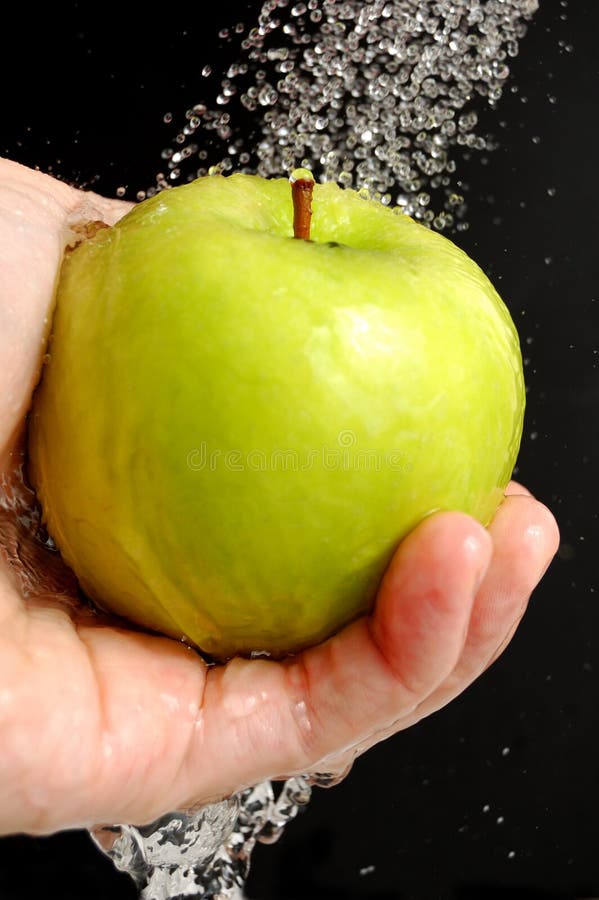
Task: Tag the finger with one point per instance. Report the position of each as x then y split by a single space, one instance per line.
525 539
267 719
35 214
515 488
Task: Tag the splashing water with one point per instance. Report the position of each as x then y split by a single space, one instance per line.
380 96
207 853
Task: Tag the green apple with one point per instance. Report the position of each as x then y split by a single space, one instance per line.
235 429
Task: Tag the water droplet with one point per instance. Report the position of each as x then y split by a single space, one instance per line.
377 96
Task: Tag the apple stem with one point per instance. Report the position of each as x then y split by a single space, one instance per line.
302 188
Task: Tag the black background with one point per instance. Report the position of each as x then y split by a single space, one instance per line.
497 795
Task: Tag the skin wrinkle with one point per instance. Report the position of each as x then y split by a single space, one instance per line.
338 759
191 747
274 716
186 720
315 759
330 658
285 741
201 734
307 725
471 547
380 641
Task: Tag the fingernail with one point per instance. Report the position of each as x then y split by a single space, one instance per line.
515 489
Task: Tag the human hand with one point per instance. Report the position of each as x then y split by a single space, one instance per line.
101 723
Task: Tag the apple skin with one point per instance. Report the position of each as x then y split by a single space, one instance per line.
235 428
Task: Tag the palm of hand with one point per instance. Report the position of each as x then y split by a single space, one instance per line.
100 723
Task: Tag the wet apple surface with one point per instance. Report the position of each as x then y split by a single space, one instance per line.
234 428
